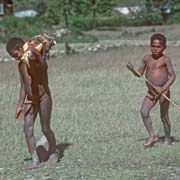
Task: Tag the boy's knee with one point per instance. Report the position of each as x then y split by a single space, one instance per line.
28 130
46 131
144 113
164 118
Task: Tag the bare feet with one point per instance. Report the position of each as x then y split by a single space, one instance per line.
150 142
32 166
168 142
53 158
35 162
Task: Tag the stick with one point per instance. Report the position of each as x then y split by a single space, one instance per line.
173 103
27 102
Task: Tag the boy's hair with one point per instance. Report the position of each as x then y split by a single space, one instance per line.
14 44
160 37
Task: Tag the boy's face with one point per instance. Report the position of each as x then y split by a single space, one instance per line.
157 48
17 54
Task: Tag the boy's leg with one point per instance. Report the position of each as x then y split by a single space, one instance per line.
45 115
29 118
164 110
147 105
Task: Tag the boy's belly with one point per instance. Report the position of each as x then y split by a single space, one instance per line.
157 78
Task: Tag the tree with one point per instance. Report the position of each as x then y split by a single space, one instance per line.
104 6
164 7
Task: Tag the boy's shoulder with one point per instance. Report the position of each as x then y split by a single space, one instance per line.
166 58
147 57
21 66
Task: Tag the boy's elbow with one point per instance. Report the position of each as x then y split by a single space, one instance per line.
29 95
28 90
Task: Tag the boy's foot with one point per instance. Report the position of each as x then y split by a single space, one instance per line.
53 158
168 142
150 142
32 166
35 163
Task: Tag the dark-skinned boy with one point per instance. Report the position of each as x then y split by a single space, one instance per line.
35 96
160 73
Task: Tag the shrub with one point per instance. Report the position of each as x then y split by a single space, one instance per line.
25 27
144 19
174 19
153 18
89 23
83 23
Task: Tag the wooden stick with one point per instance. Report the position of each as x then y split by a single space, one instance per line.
27 102
173 103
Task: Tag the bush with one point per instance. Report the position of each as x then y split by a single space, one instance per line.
174 19
51 18
90 23
83 23
144 19
20 27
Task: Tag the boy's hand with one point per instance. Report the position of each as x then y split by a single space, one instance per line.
159 90
130 66
19 113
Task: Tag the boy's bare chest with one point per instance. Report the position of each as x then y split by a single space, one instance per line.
156 64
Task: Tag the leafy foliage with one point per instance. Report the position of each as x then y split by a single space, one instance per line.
81 14
12 26
174 19
104 6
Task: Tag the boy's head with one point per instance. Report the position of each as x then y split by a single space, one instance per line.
158 45
160 37
15 47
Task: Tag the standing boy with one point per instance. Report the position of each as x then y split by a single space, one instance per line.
159 72
34 96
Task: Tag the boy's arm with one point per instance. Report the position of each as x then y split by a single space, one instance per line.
141 69
171 75
26 80
22 93
37 55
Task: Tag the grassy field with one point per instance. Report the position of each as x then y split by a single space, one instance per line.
172 32
96 120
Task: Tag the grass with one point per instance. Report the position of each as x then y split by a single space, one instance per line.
96 116
133 33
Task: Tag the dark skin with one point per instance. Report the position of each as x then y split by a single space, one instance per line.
159 71
35 98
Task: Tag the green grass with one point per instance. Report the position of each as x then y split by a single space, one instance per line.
96 111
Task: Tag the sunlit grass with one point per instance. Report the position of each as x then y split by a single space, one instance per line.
96 104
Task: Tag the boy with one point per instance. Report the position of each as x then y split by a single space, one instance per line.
34 96
159 72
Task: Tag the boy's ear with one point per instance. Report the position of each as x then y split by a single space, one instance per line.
21 49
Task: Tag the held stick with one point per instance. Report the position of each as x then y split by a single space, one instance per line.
27 102
175 105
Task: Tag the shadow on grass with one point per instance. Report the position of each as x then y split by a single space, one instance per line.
173 139
61 148
161 139
43 153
